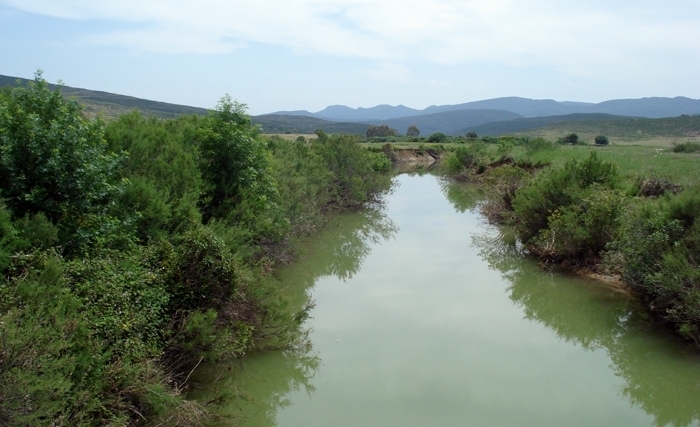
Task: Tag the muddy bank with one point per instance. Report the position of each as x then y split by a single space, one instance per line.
417 156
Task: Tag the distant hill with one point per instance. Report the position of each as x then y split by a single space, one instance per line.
342 113
448 121
626 128
111 105
655 108
644 107
522 106
524 124
277 123
619 127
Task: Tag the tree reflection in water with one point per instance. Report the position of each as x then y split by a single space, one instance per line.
254 388
464 197
661 375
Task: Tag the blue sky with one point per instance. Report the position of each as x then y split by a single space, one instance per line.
307 54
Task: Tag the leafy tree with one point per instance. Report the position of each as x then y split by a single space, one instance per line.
571 138
322 136
163 169
601 140
54 161
413 131
472 136
437 137
234 163
383 130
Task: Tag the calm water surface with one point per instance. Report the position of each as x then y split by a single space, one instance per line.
426 316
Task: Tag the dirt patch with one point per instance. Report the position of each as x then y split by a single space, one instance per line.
416 156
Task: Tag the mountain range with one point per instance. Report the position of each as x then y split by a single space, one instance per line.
656 107
487 117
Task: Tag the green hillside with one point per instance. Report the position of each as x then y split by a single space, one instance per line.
111 105
640 131
525 124
587 126
277 123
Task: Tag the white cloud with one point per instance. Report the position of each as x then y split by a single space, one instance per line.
390 72
576 37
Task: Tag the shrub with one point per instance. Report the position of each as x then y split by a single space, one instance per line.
354 181
538 144
583 229
601 140
571 138
57 163
657 253
686 147
438 137
554 189
503 183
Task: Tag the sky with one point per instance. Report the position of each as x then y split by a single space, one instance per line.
277 55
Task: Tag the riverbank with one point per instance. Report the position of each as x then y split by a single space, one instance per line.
119 279
447 293
599 212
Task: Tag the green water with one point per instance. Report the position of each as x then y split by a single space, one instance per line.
427 316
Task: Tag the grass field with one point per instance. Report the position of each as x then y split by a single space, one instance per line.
293 136
629 139
626 131
634 161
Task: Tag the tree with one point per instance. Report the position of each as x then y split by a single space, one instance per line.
380 131
571 138
437 137
601 140
322 136
472 136
413 131
234 165
55 162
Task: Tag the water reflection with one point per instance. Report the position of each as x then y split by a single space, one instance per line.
463 197
345 243
660 374
252 390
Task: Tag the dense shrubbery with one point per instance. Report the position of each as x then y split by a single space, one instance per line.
686 147
557 211
583 213
658 252
132 251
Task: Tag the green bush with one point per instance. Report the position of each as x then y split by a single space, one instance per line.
538 144
503 183
166 182
57 163
686 147
581 230
571 139
601 140
554 189
354 181
658 252
438 137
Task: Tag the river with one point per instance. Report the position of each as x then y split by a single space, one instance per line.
427 316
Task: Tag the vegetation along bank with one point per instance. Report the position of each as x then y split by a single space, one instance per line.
135 250
626 211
